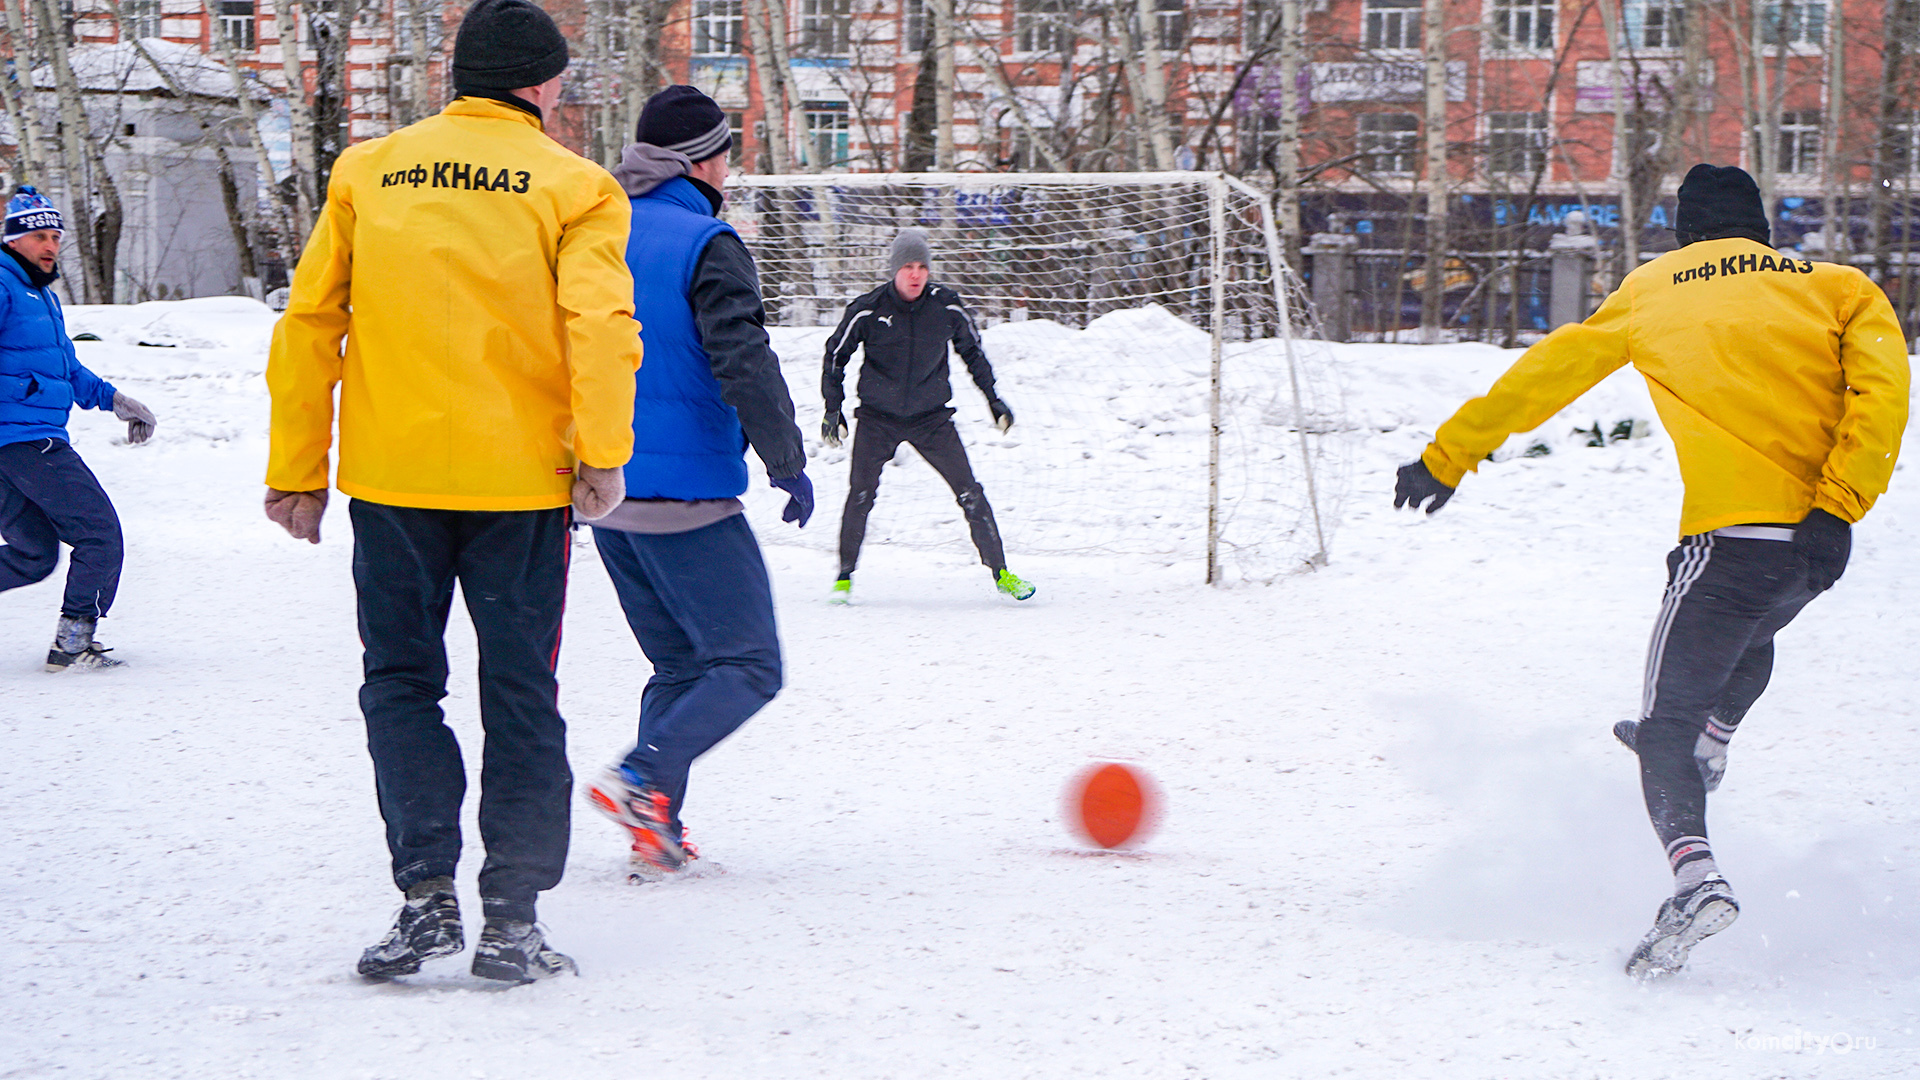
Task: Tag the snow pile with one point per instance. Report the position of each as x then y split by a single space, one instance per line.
1399 839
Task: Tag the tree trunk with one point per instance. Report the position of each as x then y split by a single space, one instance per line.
922 121
1150 98
941 11
421 13
300 127
1622 171
1433 297
1286 158
1837 217
22 110
773 83
75 157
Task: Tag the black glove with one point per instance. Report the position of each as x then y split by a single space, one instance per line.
800 506
833 428
1416 485
1002 416
1823 543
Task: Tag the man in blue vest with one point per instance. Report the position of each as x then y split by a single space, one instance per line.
48 496
683 561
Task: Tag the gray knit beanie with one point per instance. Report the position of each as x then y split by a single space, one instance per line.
908 247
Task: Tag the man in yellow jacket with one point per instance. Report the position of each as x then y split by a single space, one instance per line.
474 271
1784 385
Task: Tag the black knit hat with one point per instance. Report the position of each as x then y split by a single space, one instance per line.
686 121
506 45
1718 201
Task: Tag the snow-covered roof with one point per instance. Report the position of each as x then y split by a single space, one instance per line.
119 68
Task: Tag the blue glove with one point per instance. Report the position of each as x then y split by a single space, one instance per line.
800 507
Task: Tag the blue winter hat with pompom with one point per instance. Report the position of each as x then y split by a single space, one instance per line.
29 211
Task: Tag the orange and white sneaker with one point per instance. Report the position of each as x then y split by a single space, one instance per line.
644 811
643 870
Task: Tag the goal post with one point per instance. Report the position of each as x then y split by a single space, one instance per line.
1142 327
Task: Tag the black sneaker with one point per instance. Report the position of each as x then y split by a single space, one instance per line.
517 952
1684 921
1628 732
428 926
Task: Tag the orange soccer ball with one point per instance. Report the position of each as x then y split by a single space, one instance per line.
1112 804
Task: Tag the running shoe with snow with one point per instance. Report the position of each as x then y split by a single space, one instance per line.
428 926
74 648
517 952
842 592
1684 921
642 870
1013 585
645 811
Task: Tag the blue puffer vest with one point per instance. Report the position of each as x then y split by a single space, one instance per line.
41 378
687 442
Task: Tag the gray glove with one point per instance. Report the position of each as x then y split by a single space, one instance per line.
298 512
139 418
597 491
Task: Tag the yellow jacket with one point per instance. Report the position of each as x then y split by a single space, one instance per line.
1783 382
476 271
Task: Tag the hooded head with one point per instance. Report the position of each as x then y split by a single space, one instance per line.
506 45
1718 201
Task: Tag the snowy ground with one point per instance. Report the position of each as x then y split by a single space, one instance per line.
1399 840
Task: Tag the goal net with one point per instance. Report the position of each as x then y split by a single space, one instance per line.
1139 328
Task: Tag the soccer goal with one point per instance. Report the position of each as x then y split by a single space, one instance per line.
1142 328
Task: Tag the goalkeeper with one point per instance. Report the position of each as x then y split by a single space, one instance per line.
905 326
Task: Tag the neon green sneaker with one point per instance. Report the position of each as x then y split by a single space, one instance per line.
842 592
1013 585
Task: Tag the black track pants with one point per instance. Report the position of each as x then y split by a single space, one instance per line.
512 570
1711 655
933 436
48 497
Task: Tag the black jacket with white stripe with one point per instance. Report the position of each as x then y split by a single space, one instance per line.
904 371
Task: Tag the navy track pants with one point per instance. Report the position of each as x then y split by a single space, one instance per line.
701 606
512 570
49 497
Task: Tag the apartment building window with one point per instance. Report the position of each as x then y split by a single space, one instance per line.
236 24
1800 142
1042 26
1391 142
1902 147
826 27
1655 24
1392 24
1523 25
717 27
1172 18
828 129
737 127
916 24
142 18
1256 134
1516 143
1794 25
